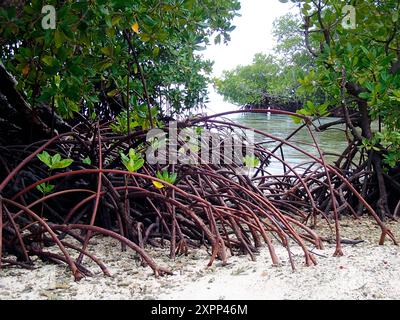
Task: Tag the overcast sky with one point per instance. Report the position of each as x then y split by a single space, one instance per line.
253 34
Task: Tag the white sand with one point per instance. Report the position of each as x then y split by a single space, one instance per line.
367 271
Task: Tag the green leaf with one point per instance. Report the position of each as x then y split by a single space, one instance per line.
173 178
50 188
40 187
364 95
102 65
156 51
124 157
149 21
369 85
251 161
108 51
50 61
138 164
133 161
115 20
45 188
59 38
55 159
365 50
108 21
296 120
62 164
395 16
45 158
112 93
166 176
87 160
144 37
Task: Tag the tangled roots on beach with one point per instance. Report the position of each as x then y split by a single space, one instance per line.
55 196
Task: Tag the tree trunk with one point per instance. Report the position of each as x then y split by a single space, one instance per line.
382 202
19 123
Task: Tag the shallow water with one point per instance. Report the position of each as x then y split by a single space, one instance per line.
330 141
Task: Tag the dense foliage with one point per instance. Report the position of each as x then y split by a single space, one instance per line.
249 84
358 68
97 59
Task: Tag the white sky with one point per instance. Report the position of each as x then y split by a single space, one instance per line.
253 34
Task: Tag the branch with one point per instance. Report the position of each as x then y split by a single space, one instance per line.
326 126
38 119
140 70
395 67
307 36
349 123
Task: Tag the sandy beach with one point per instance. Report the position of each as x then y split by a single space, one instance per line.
366 271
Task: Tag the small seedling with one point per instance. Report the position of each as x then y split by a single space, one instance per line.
87 161
45 188
133 161
251 161
165 176
54 162
120 124
199 130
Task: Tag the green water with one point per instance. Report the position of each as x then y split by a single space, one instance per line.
330 141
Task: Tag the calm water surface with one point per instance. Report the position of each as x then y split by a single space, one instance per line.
330 141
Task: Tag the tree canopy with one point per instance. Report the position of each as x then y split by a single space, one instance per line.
357 67
249 84
105 55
